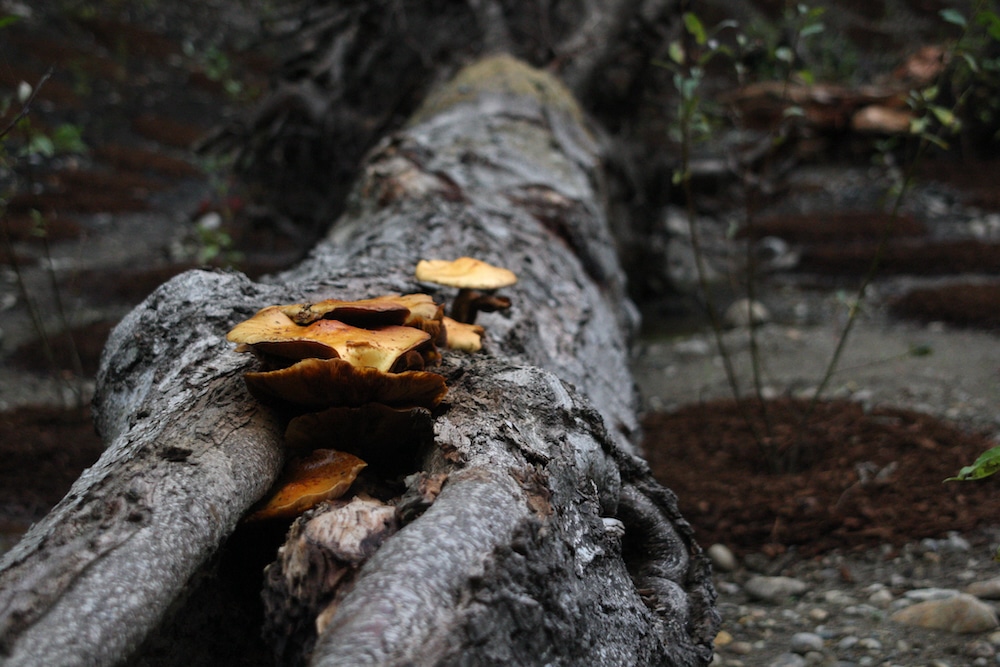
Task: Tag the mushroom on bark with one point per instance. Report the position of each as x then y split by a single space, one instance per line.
476 281
324 474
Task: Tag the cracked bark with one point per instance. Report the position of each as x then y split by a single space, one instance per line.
530 532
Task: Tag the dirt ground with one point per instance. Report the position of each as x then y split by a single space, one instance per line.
132 212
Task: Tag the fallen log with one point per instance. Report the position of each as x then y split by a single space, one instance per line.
526 531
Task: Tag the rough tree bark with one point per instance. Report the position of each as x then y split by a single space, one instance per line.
548 542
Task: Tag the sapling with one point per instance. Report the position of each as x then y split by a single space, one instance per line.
933 121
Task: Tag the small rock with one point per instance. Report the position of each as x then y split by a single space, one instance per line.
881 598
870 644
742 312
740 648
979 649
838 597
804 642
723 638
985 590
925 594
961 613
818 614
773 589
788 660
722 558
847 643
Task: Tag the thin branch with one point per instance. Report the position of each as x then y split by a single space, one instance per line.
26 107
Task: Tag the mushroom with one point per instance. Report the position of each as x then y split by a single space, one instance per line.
272 332
465 337
324 474
317 384
409 309
476 281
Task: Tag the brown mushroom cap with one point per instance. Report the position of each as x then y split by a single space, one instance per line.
461 336
273 332
323 383
368 313
324 474
465 273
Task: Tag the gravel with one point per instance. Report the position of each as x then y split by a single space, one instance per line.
841 614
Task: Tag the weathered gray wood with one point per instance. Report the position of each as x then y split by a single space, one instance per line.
549 541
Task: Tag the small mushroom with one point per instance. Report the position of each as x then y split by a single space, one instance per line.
324 474
316 384
465 337
476 281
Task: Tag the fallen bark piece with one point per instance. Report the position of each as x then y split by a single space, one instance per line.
328 549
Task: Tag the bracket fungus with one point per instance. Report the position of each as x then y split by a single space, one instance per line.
352 372
317 384
476 281
325 474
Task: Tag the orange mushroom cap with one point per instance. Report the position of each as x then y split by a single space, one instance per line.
323 383
323 475
462 336
465 273
271 331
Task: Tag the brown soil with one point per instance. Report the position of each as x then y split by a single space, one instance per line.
866 479
43 450
963 304
922 258
86 342
839 227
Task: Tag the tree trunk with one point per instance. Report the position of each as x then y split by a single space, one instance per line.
528 532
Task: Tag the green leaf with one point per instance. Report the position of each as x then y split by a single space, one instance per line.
812 29
991 22
970 60
41 145
918 125
944 116
67 139
987 464
8 20
676 52
695 28
953 16
784 54
921 350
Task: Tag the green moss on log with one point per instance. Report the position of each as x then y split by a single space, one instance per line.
502 75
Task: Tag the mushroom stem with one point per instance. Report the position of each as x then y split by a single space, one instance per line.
463 309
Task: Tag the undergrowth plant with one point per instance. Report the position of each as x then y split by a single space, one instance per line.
22 149
937 115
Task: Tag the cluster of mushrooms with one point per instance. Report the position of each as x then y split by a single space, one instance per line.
335 363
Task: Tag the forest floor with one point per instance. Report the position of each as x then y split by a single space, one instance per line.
917 391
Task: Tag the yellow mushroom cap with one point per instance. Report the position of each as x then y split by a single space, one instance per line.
464 273
323 475
273 332
461 336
